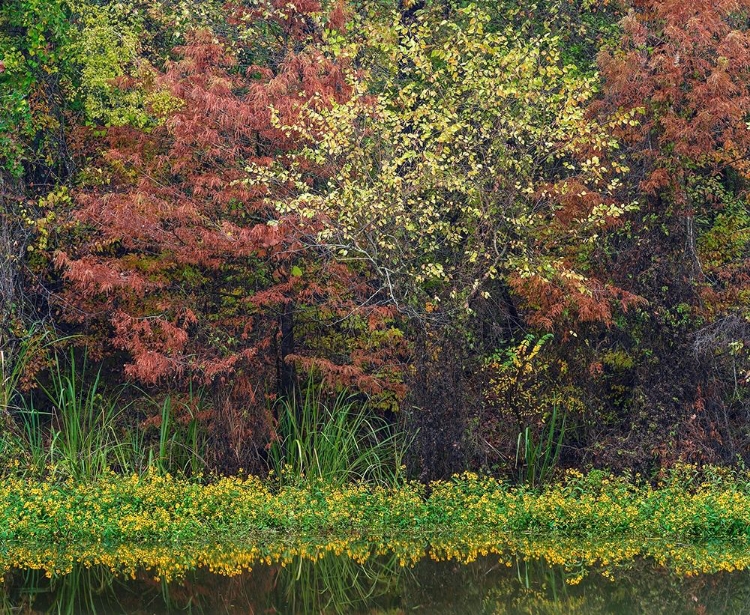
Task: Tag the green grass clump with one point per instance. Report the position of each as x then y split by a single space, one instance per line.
70 425
335 443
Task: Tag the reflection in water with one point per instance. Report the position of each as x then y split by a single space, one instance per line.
374 582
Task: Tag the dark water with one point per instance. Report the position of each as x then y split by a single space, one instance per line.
381 585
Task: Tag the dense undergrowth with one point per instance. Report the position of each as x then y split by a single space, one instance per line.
79 477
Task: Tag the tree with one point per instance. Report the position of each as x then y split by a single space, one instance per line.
684 69
465 174
174 260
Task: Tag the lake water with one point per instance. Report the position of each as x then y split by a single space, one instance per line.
384 583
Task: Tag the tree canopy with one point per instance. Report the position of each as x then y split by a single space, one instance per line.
477 215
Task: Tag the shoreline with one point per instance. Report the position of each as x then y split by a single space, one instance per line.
600 517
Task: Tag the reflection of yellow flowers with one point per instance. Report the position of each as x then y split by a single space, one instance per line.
577 557
169 525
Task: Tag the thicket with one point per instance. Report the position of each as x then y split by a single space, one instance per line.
513 235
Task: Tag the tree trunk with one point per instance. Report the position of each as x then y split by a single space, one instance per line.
287 374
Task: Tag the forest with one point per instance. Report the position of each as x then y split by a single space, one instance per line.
373 238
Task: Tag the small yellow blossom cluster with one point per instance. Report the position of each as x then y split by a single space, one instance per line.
171 525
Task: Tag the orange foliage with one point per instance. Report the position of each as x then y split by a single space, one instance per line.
188 265
687 65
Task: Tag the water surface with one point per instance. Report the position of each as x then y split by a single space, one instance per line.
377 580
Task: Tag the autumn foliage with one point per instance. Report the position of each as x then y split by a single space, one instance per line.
185 268
472 214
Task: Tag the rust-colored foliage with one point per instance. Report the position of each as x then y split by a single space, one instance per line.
682 69
686 66
194 276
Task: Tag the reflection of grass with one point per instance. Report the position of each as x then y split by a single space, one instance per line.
335 584
167 562
83 589
376 585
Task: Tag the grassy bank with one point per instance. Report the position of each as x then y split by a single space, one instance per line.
467 512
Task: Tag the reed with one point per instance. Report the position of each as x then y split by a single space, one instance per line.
82 438
181 443
536 459
335 443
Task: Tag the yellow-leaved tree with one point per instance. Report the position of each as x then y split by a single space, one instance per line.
463 157
465 179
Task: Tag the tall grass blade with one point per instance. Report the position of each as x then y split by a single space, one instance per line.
535 460
334 442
